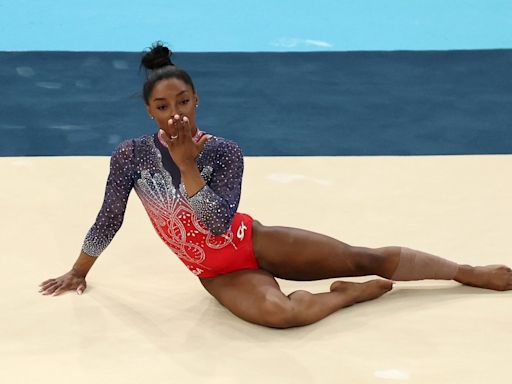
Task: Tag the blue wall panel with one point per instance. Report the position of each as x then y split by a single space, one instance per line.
310 103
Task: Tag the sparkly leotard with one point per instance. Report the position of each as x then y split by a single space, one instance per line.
203 230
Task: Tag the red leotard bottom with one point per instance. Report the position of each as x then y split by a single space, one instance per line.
235 253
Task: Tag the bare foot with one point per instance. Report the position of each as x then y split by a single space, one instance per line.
360 292
496 277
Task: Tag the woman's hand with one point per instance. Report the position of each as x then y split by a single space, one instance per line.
68 282
182 147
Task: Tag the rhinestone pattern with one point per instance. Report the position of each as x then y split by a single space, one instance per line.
119 185
145 165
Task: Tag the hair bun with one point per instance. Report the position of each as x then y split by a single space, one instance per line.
159 56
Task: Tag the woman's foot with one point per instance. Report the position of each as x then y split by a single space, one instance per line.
360 292
496 277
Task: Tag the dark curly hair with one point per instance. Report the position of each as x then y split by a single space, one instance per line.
159 66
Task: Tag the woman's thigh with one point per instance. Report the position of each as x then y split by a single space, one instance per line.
253 295
297 254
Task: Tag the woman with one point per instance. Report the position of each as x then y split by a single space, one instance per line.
189 183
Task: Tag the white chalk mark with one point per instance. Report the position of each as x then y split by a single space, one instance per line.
120 64
286 42
321 181
12 126
318 43
392 374
83 83
49 85
293 42
285 177
67 127
25 71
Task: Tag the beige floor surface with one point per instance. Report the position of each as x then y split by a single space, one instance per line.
145 318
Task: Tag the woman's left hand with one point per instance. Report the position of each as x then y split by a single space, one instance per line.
182 147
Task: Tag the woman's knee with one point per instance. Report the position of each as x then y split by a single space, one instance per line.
276 311
378 261
287 312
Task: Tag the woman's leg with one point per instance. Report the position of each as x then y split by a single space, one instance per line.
255 296
296 254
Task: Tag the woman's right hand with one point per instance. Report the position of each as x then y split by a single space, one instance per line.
182 147
70 281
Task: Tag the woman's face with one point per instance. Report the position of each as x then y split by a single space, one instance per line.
172 97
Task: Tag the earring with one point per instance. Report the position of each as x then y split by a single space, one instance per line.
197 105
151 117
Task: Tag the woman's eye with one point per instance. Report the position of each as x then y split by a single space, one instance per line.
161 107
186 101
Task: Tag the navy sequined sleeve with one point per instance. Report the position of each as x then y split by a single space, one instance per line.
110 217
216 203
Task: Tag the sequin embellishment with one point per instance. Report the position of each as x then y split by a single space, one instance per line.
188 225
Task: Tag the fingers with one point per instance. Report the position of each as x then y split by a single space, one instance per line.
165 137
55 287
46 282
180 129
81 288
59 290
202 142
172 126
174 121
51 287
187 130
182 132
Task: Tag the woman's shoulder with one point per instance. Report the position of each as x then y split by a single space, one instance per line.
217 144
220 152
130 144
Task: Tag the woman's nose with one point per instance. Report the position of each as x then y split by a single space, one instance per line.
174 111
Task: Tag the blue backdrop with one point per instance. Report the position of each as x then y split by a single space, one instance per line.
314 103
288 79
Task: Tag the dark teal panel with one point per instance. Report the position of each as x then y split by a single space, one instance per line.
317 103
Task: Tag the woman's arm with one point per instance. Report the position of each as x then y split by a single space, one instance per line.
217 201
108 222
214 193
83 264
74 280
119 185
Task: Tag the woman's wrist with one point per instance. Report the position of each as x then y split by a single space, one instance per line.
78 273
83 264
188 167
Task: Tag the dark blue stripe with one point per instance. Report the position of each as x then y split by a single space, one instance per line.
316 103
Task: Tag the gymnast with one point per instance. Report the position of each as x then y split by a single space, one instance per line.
189 182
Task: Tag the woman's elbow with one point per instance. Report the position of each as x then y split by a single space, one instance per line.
220 227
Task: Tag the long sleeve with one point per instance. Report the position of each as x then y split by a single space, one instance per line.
216 203
110 217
